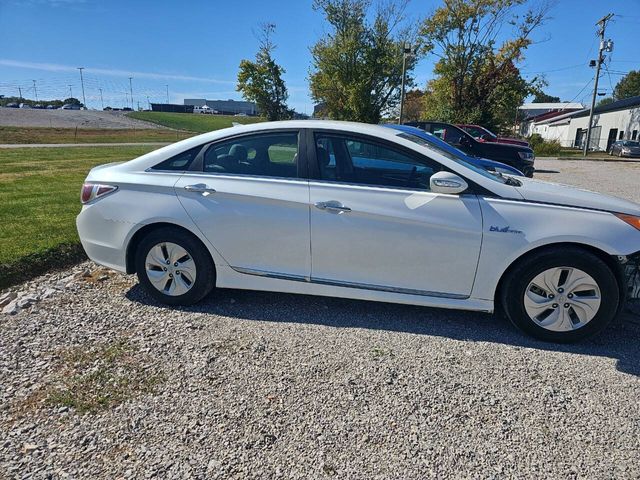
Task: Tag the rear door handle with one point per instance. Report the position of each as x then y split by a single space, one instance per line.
332 206
199 188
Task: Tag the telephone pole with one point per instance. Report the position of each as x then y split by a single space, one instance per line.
604 46
101 101
35 91
84 102
131 91
20 92
70 91
167 94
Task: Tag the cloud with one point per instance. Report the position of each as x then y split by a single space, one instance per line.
54 67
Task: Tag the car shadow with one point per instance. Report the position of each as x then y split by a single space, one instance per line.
619 341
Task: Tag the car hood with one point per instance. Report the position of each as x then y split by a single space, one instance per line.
555 193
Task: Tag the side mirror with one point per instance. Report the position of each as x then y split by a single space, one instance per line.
447 182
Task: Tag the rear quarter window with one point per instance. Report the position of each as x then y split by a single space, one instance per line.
180 162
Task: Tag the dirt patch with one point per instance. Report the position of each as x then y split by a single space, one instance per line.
29 117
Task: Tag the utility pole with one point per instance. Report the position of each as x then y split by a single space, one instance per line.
70 91
84 101
101 101
406 52
131 91
604 46
35 91
148 103
20 92
167 94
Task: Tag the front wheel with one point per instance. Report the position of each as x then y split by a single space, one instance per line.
174 267
561 295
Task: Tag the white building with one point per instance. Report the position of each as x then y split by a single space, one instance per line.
615 121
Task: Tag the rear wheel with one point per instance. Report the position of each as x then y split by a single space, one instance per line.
561 295
174 267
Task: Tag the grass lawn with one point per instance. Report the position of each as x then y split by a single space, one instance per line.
191 122
39 200
88 135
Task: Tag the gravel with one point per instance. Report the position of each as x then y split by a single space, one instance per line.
31 117
266 385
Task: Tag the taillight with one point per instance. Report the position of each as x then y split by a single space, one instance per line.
92 191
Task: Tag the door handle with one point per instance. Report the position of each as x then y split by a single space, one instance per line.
199 188
332 206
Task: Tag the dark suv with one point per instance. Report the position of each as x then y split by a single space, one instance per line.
517 156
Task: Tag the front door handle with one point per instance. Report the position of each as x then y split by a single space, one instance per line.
332 206
199 188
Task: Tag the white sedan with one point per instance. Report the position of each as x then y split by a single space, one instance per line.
365 212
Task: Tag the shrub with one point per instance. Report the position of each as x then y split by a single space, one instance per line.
544 148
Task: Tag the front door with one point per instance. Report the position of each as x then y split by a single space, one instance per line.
376 225
251 204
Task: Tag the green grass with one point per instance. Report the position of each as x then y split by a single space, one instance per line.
88 135
39 200
192 122
91 378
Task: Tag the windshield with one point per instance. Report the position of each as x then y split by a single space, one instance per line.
425 143
629 143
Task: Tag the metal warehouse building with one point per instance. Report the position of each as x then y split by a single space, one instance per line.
227 107
616 121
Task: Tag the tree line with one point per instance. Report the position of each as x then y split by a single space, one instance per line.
356 67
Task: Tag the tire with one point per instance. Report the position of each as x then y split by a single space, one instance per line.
528 172
573 322
165 281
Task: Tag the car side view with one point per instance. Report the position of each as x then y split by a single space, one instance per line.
625 148
364 212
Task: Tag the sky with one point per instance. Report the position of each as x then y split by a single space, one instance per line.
194 47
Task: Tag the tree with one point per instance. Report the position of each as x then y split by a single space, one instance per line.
628 86
605 101
357 67
542 97
72 101
477 80
261 81
414 105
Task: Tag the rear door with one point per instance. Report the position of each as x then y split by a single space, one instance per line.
250 200
376 225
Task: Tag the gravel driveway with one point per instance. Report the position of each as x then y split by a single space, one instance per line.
264 385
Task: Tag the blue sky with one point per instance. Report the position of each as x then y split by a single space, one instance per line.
195 46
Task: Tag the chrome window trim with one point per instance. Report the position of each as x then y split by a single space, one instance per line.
336 283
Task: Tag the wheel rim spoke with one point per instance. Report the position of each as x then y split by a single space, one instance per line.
170 269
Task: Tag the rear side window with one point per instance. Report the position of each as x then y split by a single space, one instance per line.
268 155
180 162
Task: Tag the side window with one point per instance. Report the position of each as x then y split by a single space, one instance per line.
268 155
365 162
180 162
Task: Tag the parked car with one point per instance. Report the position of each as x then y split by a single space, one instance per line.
366 212
51 107
127 109
434 142
483 134
25 105
12 105
625 148
70 106
517 156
